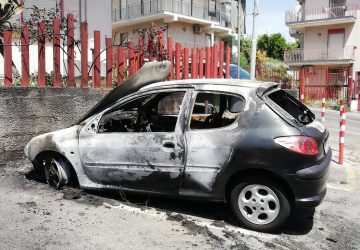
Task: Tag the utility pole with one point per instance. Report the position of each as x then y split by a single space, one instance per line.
254 41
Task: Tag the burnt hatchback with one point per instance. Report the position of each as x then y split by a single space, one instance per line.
249 144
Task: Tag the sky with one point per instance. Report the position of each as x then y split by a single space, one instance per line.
271 16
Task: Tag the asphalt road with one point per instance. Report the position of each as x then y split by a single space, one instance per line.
352 134
35 216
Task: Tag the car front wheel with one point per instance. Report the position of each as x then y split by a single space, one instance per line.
260 205
57 172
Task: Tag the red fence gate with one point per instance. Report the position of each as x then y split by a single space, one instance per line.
334 83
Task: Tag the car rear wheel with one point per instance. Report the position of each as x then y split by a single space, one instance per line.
57 172
260 205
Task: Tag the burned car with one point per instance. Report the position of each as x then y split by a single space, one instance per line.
246 143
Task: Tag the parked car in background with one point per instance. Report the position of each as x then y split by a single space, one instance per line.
242 142
234 72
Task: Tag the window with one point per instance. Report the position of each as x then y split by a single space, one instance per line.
212 8
124 39
150 113
215 110
292 106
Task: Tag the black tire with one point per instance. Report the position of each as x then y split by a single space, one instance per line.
57 172
279 210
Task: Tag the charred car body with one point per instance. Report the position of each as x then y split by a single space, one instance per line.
246 143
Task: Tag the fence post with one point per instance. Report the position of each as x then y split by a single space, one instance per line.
221 60
109 62
84 54
151 48
185 64
131 58
342 136
141 51
70 50
227 74
194 64
25 57
136 61
41 55
323 106
97 60
302 85
342 104
7 58
170 57
201 63
177 60
215 62
121 64
56 52
161 45
212 62
208 63
350 87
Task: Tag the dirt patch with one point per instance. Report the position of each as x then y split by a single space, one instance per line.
220 224
234 237
81 196
194 228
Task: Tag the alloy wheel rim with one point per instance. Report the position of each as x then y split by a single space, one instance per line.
259 204
53 175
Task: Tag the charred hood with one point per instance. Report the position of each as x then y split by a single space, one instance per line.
149 73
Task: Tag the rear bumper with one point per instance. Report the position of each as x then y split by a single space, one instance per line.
309 184
310 202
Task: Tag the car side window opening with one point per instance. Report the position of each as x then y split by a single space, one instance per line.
292 106
215 110
150 113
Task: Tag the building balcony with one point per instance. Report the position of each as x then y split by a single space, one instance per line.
320 16
301 57
172 11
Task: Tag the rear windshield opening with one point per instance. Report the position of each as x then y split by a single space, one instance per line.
292 106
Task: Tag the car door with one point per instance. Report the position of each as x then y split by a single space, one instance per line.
210 138
132 153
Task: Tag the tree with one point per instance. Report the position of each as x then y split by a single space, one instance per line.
245 47
274 45
151 34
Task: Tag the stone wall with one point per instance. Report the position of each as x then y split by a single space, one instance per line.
27 112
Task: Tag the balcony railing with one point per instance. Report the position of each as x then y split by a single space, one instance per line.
313 55
321 13
154 7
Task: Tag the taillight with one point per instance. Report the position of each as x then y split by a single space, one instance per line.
300 144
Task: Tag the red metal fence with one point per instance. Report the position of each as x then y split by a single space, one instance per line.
334 83
121 62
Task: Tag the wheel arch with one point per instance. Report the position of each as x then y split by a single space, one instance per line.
57 155
246 173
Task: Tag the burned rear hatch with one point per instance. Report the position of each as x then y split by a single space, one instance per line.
298 115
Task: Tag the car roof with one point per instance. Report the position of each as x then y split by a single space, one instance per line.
201 82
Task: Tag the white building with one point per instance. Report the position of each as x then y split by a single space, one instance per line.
329 34
192 23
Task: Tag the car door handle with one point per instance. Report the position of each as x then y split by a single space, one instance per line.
169 145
